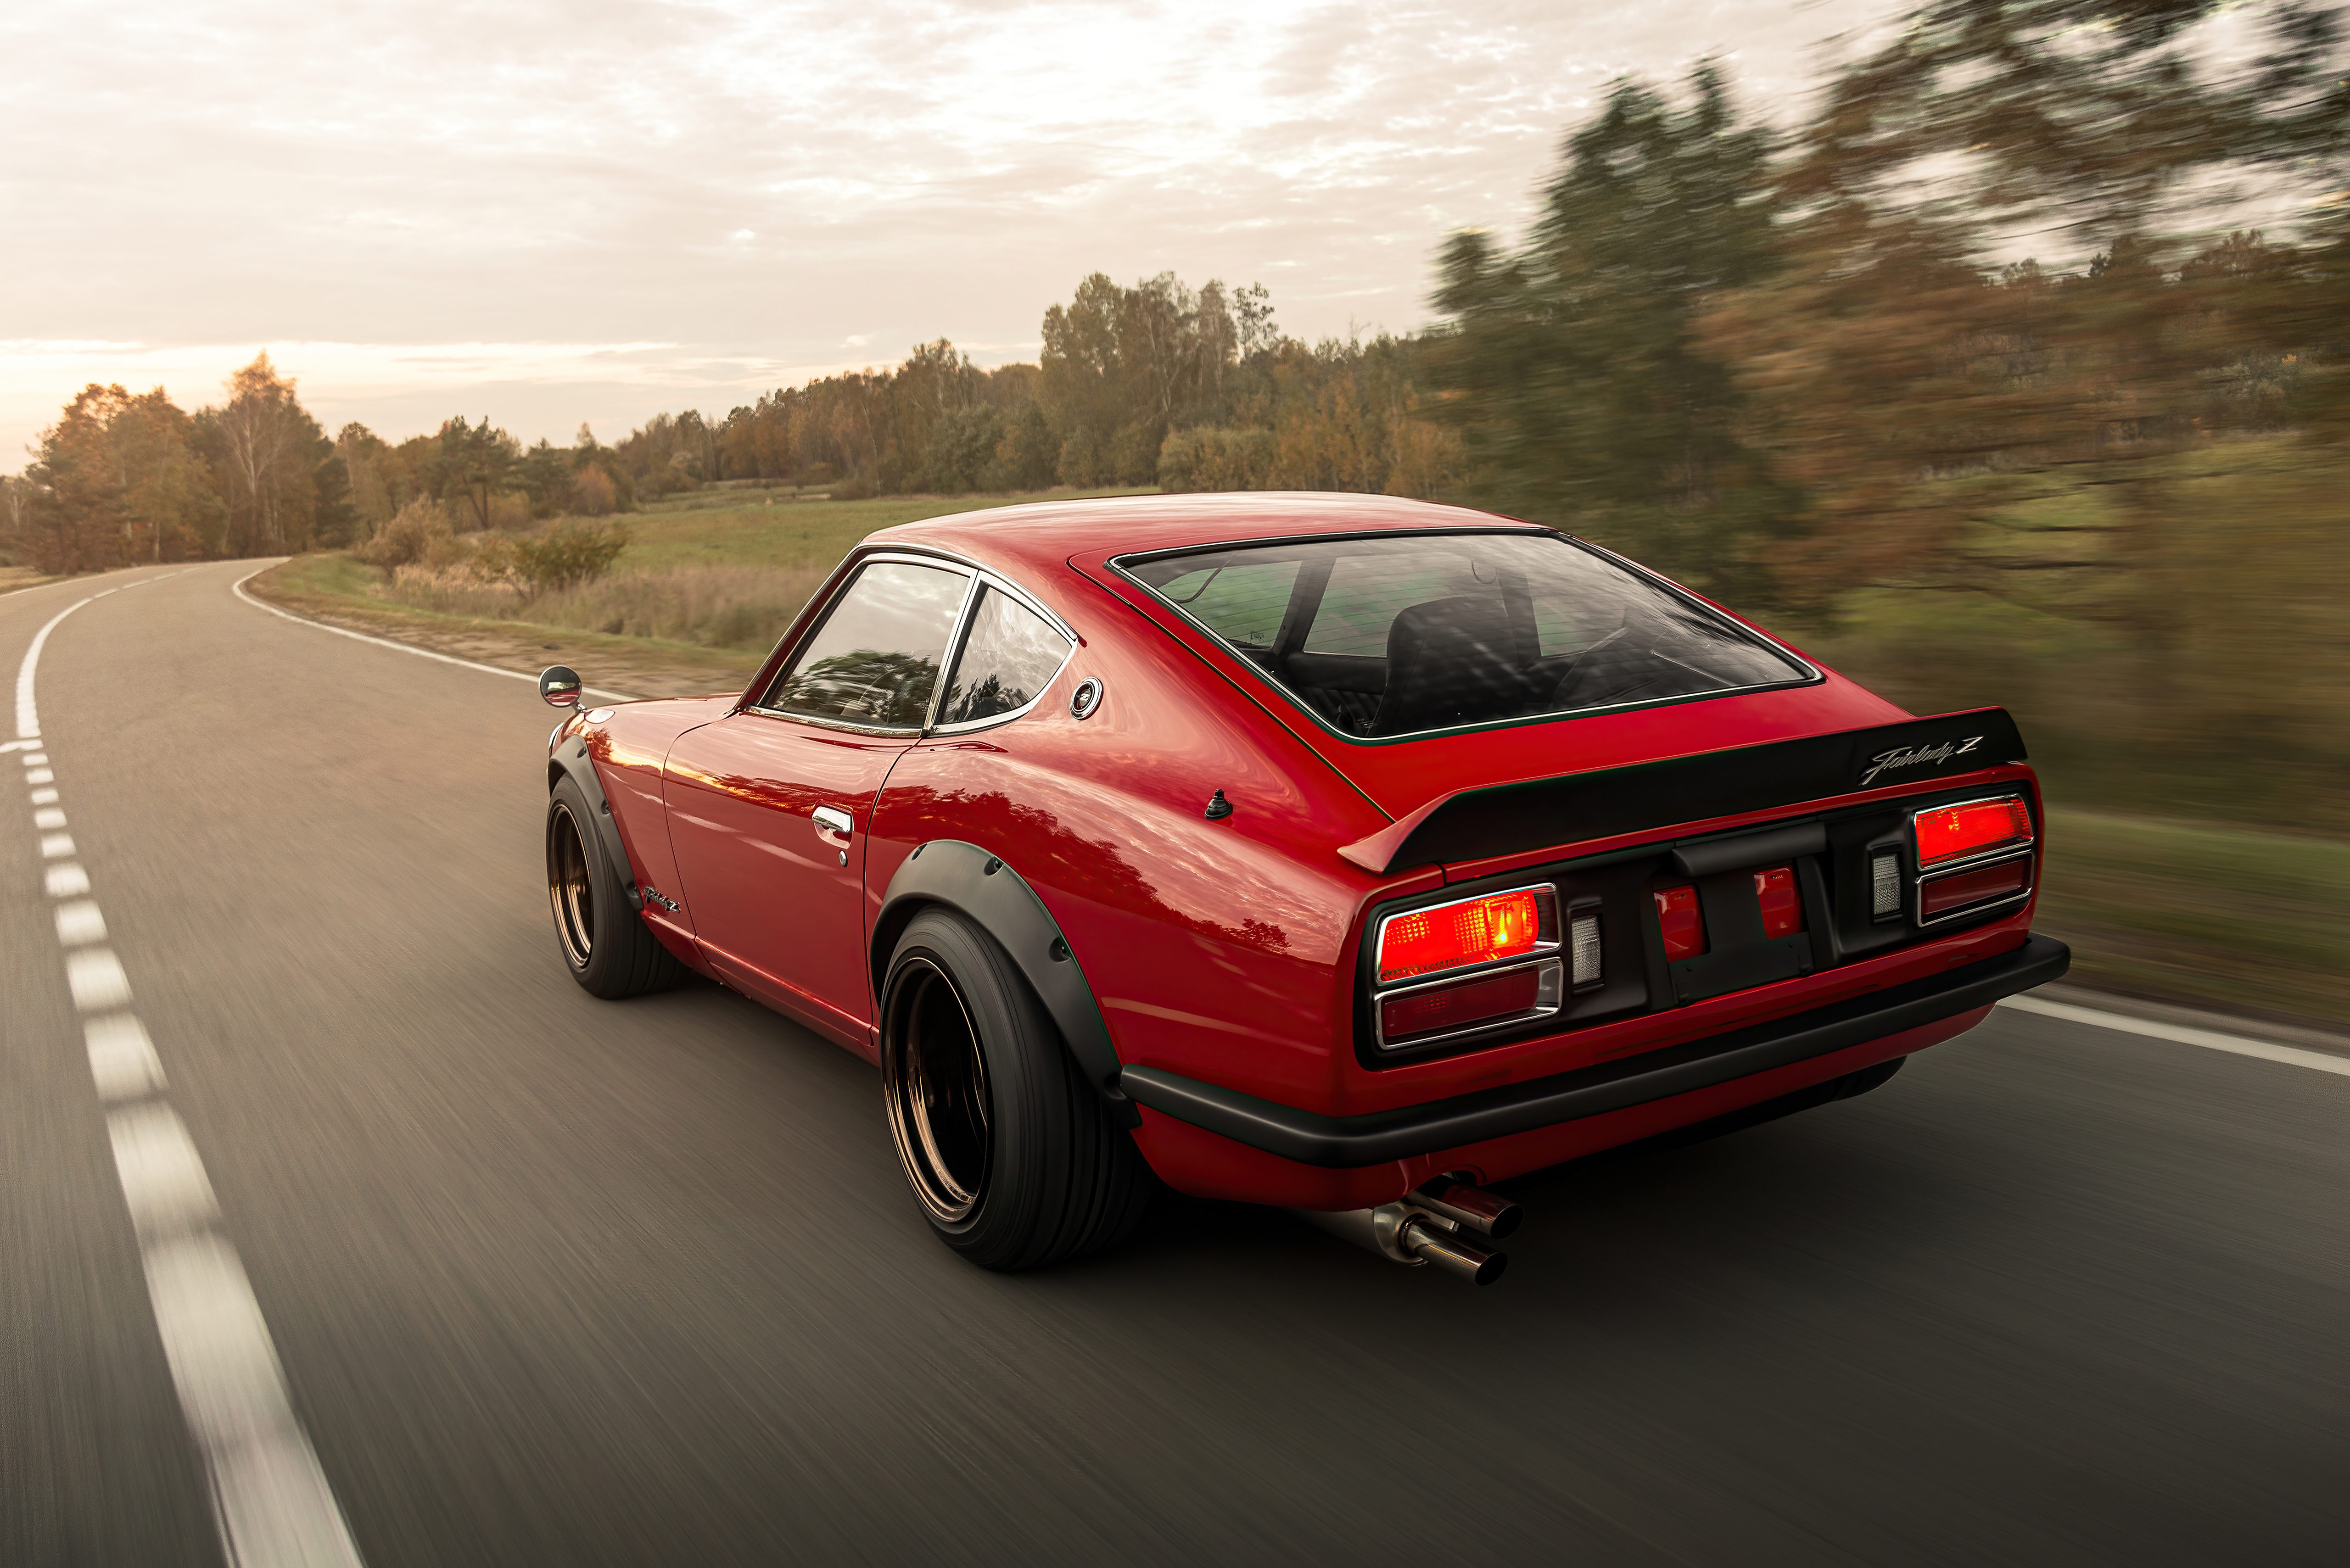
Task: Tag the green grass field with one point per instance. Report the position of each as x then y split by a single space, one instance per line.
2225 915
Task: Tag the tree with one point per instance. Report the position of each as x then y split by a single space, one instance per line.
1571 369
117 480
264 448
1885 357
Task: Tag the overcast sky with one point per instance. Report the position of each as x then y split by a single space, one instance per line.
551 213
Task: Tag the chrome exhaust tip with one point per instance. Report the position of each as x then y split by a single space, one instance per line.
1414 1232
1447 1251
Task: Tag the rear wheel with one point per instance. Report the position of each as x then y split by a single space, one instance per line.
608 948
1009 1152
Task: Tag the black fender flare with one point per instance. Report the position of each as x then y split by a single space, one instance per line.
570 756
981 886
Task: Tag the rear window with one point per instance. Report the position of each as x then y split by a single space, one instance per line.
1399 634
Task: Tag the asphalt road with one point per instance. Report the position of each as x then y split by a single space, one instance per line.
558 1280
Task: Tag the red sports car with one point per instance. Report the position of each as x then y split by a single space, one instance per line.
1336 852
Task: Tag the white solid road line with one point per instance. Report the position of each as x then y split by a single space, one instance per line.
2235 1045
28 717
238 587
271 1502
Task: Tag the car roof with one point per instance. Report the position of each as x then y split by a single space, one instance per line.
1043 535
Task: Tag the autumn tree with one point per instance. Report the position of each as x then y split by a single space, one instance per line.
267 454
1570 368
117 481
1886 354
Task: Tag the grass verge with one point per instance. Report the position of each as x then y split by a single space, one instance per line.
2248 920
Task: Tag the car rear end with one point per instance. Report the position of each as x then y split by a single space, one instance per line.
1681 872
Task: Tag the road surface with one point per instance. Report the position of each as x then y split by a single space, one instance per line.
537 1279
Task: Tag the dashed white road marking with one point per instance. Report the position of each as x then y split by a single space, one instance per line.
79 924
122 1060
96 976
2235 1045
271 1502
238 588
163 1181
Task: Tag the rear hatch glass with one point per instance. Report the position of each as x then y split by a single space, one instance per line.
1394 636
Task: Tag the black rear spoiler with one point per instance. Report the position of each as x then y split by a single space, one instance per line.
1504 819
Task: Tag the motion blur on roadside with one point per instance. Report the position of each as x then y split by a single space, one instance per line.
2009 366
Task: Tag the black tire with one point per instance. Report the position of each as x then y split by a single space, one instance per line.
1010 1153
605 944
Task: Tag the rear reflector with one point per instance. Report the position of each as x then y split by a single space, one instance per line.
1783 907
1474 931
1884 884
1583 950
1943 895
1949 831
1450 1007
1682 922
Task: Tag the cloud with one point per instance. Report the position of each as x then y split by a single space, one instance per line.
750 182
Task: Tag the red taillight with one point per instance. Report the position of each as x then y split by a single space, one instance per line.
1948 831
1940 895
1452 1007
1783 907
1454 936
1683 923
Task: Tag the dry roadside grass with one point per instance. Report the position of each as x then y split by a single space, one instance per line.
14 577
334 589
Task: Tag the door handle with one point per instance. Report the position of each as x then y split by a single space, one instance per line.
831 819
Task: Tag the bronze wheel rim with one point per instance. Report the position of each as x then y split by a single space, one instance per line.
569 889
935 1079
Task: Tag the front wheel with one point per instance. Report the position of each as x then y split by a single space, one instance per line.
1009 1152
608 950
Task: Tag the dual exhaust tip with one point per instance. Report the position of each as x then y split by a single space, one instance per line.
1432 1225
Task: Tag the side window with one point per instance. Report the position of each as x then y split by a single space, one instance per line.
1008 657
875 657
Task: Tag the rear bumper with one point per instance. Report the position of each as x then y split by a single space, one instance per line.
1374 1137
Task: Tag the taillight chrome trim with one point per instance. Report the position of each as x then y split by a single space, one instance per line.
1550 995
1981 856
2028 853
1547 939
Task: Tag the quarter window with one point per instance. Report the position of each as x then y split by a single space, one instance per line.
1009 656
874 658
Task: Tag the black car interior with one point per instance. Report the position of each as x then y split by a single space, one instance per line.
1472 651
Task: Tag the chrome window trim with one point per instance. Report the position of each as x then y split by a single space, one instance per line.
1545 891
1812 676
2027 854
2005 847
1013 591
1552 986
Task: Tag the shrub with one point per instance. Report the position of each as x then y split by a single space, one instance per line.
570 554
416 531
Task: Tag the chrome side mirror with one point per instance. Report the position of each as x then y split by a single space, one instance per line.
558 686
